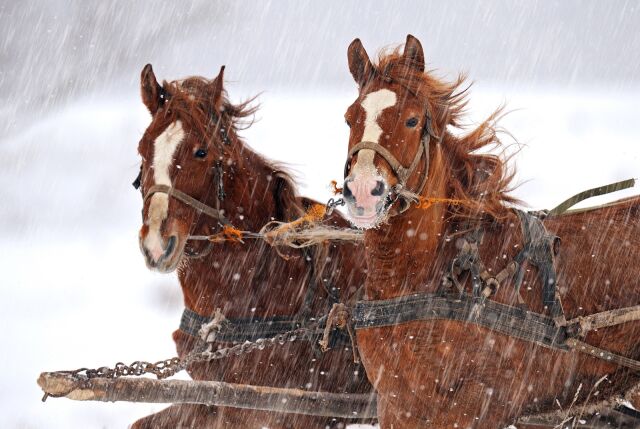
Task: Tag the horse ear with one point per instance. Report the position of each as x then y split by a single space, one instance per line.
150 89
413 53
217 90
359 63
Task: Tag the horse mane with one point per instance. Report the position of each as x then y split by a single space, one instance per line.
481 180
191 99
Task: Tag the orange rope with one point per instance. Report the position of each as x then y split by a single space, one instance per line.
229 233
335 189
314 214
425 203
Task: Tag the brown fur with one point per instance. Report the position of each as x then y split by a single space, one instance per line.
449 374
257 191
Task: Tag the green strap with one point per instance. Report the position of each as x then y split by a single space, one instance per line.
613 187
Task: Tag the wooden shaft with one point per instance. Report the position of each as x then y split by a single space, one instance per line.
81 388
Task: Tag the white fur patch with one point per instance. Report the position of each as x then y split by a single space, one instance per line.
164 150
373 105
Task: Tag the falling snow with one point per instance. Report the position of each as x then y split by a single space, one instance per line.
74 283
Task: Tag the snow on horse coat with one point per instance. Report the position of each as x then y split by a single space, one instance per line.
418 189
192 145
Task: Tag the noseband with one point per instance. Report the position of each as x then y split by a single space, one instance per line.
189 201
401 172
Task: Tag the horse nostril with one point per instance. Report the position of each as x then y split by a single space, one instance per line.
346 192
171 244
379 189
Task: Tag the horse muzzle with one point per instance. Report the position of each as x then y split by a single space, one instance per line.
161 255
365 198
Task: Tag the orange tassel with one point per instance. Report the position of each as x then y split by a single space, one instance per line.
335 189
232 234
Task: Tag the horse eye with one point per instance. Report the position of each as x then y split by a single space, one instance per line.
411 122
200 153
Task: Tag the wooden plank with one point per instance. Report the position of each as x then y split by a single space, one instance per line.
81 388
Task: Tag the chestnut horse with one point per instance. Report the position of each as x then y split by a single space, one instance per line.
445 373
192 145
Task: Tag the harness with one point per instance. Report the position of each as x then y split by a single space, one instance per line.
236 330
456 304
251 329
539 250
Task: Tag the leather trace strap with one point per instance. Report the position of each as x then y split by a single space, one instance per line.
239 331
188 200
401 172
508 320
505 319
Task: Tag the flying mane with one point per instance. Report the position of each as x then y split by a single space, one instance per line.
190 100
481 180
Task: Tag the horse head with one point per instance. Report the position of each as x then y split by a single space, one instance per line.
183 151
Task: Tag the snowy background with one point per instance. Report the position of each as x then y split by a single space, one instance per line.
74 290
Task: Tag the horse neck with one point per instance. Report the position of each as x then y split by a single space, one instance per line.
250 200
233 276
399 254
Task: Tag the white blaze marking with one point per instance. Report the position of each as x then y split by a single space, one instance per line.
164 149
373 105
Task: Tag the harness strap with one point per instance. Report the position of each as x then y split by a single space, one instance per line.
539 250
188 200
238 330
502 318
603 354
512 321
601 190
605 319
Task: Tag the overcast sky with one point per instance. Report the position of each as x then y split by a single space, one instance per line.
54 51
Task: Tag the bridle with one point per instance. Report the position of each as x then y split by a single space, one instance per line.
215 213
197 205
402 173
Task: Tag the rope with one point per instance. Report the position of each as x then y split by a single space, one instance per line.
425 203
300 233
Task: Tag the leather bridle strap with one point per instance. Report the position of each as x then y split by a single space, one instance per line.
188 200
402 173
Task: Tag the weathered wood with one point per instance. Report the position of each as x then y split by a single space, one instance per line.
605 414
81 388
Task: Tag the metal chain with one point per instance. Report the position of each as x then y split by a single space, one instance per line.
332 204
201 353
207 355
